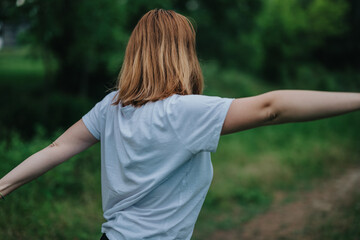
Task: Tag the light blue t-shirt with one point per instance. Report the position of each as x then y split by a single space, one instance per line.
155 163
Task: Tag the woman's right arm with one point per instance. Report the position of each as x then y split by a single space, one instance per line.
284 106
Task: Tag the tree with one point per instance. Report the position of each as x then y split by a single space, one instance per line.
292 31
83 36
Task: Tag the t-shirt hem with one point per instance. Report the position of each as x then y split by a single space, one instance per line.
217 133
90 128
110 236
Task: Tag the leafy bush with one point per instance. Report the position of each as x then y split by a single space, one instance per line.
64 203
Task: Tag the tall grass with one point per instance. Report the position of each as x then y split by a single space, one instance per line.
64 203
249 169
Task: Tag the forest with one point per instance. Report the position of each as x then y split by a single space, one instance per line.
293 181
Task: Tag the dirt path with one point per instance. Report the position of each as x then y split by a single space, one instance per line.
288 221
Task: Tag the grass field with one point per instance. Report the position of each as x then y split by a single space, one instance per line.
250 167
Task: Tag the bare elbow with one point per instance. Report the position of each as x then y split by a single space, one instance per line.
271 114
53 144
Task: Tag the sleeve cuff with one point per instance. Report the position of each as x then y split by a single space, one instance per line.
91 129
217 132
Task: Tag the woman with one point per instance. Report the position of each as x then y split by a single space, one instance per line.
157 132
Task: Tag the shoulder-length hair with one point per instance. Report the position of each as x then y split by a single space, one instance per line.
160 60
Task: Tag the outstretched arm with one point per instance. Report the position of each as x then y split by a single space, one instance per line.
73 141
284 106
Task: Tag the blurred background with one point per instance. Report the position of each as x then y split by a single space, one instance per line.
293 181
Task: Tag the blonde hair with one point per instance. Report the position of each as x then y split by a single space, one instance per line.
160 60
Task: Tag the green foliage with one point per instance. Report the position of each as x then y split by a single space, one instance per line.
227 35
274 39
249 168
295 44
83 37
291 31
18 68
28 103
64 203
230 82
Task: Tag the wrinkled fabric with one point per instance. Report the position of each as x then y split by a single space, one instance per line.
155 163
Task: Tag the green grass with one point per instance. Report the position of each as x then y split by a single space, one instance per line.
249 167
342 223
64 203
28 100
19 67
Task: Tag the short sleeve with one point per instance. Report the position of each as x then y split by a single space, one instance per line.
197 120
95 118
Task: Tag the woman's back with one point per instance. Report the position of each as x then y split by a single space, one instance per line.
156 167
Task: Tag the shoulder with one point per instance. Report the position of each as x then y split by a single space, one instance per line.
197 120
108 99
103 105
186 105
193 101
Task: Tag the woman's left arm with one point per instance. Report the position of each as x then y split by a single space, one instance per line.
73 141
